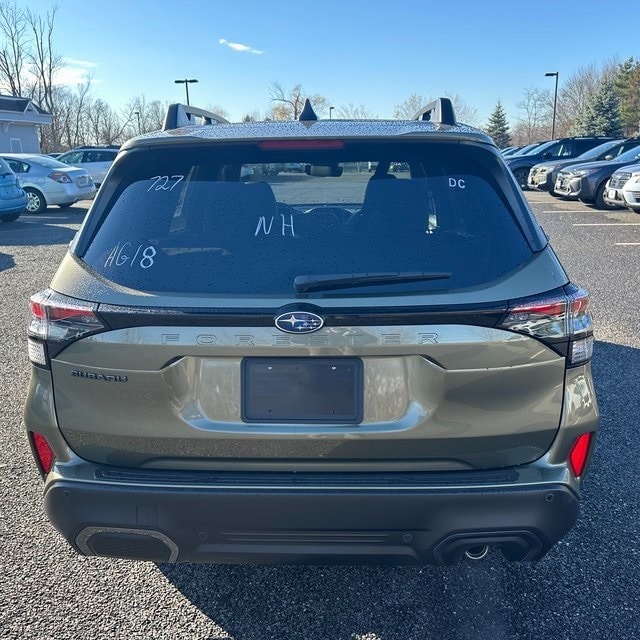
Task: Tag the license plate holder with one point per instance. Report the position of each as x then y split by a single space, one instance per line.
302 390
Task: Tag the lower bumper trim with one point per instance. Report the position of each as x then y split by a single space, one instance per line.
280 526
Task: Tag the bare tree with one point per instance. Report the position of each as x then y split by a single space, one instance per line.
355 112
143 116
221 111
13 30
535 123
44 63
463 110
106 127
289 104
252 116
407 110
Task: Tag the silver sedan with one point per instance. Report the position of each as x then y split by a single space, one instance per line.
47 181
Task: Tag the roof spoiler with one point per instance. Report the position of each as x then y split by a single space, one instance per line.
182 115
440 111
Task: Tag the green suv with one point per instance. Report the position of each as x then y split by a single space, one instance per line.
325 366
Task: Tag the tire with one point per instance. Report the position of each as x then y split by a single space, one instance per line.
600 203
10 217
521 176
35 201
65 205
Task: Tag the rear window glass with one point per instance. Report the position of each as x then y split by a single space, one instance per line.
245 220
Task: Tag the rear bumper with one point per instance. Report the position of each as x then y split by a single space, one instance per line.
13 205
308 524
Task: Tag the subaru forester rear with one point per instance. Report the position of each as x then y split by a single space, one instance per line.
326 366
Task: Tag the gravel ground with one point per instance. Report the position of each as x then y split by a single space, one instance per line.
586 587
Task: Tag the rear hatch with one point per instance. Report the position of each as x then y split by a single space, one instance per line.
330 319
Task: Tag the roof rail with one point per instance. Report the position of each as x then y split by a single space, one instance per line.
440 111
181 115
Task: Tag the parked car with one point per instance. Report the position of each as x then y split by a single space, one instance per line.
13 199
560 149
543 176
360 367
47 181
587 182
529 148
96 160
623 188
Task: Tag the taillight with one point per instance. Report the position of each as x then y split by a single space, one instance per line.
61 177
42 452
58 319
579 453
558 317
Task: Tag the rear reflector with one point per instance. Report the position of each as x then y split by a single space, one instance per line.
579 452
43 452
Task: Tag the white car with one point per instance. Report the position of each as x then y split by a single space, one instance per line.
47 181
96 160
623 188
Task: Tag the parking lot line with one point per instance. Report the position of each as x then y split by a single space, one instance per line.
606 224
564 211
627 244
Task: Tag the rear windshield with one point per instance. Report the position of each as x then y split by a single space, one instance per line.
251 219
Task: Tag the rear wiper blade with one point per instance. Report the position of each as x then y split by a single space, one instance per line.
305 283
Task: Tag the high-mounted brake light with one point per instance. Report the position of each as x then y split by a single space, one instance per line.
269 145
57 319
554 317
579 453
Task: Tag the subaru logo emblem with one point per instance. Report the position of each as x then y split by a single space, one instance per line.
299 322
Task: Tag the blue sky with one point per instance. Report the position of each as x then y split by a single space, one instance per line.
371 53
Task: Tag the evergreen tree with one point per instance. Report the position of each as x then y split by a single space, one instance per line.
498 128
601 114
627 85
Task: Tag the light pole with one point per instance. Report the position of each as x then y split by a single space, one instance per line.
555 102
137 113
330 110
186 82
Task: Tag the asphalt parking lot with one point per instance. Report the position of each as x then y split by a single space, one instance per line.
587 587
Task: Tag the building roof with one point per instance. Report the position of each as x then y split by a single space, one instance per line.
19 105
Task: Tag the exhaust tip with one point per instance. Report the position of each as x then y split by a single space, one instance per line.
477 553
134 544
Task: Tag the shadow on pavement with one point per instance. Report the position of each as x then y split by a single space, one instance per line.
6 261
47 228
492 599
